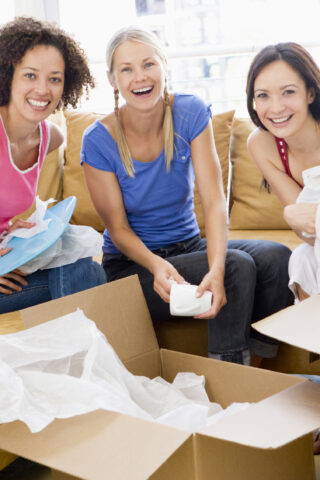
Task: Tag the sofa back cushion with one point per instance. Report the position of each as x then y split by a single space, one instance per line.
252 207
73 178
74 182
50 180
222 124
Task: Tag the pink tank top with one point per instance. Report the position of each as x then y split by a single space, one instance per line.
282 149
18 187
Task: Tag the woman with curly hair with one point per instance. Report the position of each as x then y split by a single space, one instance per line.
41 70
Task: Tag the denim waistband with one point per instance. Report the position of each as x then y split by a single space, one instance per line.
167 251
177 247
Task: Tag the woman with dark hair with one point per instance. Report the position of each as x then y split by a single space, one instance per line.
283 98
41 69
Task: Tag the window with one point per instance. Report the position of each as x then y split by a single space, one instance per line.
7 11
209 43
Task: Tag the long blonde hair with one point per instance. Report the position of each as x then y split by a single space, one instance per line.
137 34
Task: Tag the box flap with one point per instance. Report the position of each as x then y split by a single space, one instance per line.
97 445
227 382
118 308
275 421
298 325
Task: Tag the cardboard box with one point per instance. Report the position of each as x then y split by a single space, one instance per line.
298 327
271 439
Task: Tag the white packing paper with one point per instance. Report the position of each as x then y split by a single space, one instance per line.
37 218
304 263
77 241
66 367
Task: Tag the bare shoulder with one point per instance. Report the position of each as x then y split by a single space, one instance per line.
56 137
262 146
259 138
109 122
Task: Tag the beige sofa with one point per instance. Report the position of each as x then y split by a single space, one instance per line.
254 213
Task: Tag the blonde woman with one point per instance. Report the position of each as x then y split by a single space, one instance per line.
140 162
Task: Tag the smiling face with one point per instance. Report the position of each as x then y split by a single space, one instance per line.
138 73
37 83
281 98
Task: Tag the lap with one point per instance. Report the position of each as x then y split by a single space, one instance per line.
45 285
37 291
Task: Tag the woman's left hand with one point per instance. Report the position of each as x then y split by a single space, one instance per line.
19 223
4 251
214 284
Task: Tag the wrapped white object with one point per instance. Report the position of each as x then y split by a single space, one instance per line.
66 367
183 300
304 264
37 218
77 241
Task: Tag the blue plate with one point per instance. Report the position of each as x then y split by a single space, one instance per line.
25 249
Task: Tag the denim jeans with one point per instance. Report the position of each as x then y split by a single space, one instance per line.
256 284
45 285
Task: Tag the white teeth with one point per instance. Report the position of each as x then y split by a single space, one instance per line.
37 103
279 120
142 90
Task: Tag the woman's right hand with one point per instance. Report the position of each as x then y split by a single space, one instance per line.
164 273
7 286
302 218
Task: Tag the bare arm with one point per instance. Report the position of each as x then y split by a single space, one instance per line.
107 198
56 137
209 180
263 150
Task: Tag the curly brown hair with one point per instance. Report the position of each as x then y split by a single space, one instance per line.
25 33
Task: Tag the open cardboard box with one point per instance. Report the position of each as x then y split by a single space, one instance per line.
271 439
296 326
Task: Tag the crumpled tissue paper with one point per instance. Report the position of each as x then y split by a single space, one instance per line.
66 367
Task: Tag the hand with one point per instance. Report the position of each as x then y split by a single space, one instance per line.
19 223
4 251
163 273
301 217
214 284
7 286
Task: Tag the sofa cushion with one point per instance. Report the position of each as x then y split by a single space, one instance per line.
73 178
74 182
50 180
253 208
222 124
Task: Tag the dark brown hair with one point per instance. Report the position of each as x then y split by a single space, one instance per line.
25 33
298 59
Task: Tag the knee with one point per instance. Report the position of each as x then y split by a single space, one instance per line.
240 270
192 266
271 253
278 252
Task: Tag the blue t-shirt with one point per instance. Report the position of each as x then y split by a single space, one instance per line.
159 204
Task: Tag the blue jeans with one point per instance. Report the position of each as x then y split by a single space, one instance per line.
256 283
45 285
